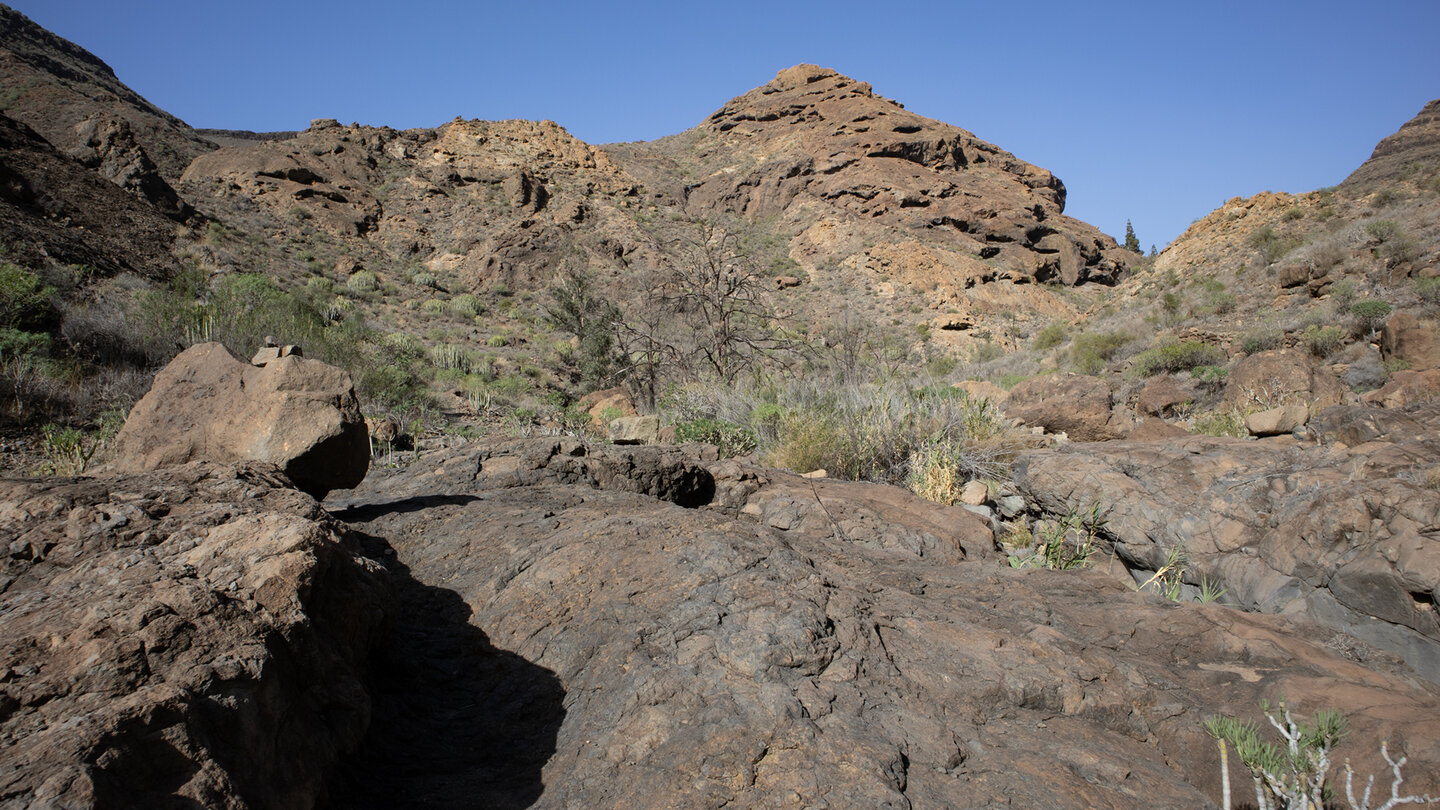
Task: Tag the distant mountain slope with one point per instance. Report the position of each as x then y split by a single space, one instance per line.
55 86
52 209
1415 146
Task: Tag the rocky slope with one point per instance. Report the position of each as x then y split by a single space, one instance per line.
62 90
55 211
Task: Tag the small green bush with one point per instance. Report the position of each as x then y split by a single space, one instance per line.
1049 337
362 281
1322 341
465 305
1262 339
423 280
1272 246
1219 423
1428 289
1091 351
433 306
1170 355
732 439
1370 315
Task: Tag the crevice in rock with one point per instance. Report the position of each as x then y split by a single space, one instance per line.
456 722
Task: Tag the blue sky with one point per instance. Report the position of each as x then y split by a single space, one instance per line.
1150 111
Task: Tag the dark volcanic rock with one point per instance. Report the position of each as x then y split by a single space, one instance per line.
187 638
299 414
54 209
727 635
1346 537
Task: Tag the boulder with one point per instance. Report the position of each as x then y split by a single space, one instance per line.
1413 340
786 282
1406 388
607 404
1292 275
300 415
1276 421
974 493
1075 404
1163 395
1153 428
1282 376
1309 529
635 430
983 389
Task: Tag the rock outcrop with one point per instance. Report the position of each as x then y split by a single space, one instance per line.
298 414
53 209
710 633
1343 535
194 637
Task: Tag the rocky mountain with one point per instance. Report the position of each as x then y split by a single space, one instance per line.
64 92
1159 491
1414 148
53 210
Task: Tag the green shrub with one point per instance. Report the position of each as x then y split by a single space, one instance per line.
1067 543
1220 423
1370 315
433 306
24 301
1262 339
362 281
465 305
1049 337
423 280
1170 355
732 439
1428 289
1395 245
1272 246
1322 341
1091 351
941 365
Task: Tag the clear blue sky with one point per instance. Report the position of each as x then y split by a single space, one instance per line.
1151 111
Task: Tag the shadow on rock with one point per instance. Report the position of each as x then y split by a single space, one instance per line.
456 722
365 513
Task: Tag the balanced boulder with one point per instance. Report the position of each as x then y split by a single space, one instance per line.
299 414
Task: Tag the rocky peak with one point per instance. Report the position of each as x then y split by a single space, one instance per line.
1417 142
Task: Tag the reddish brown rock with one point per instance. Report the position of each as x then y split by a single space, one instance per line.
1412 339
194 637
1279 377
298 414
1153 428
1075 404
825 641
1162 395
1406 388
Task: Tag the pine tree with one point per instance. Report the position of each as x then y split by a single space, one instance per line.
1132 242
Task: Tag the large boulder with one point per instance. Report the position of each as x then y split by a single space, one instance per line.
1414 340
1344 536
1278 377
1075 404
300 415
